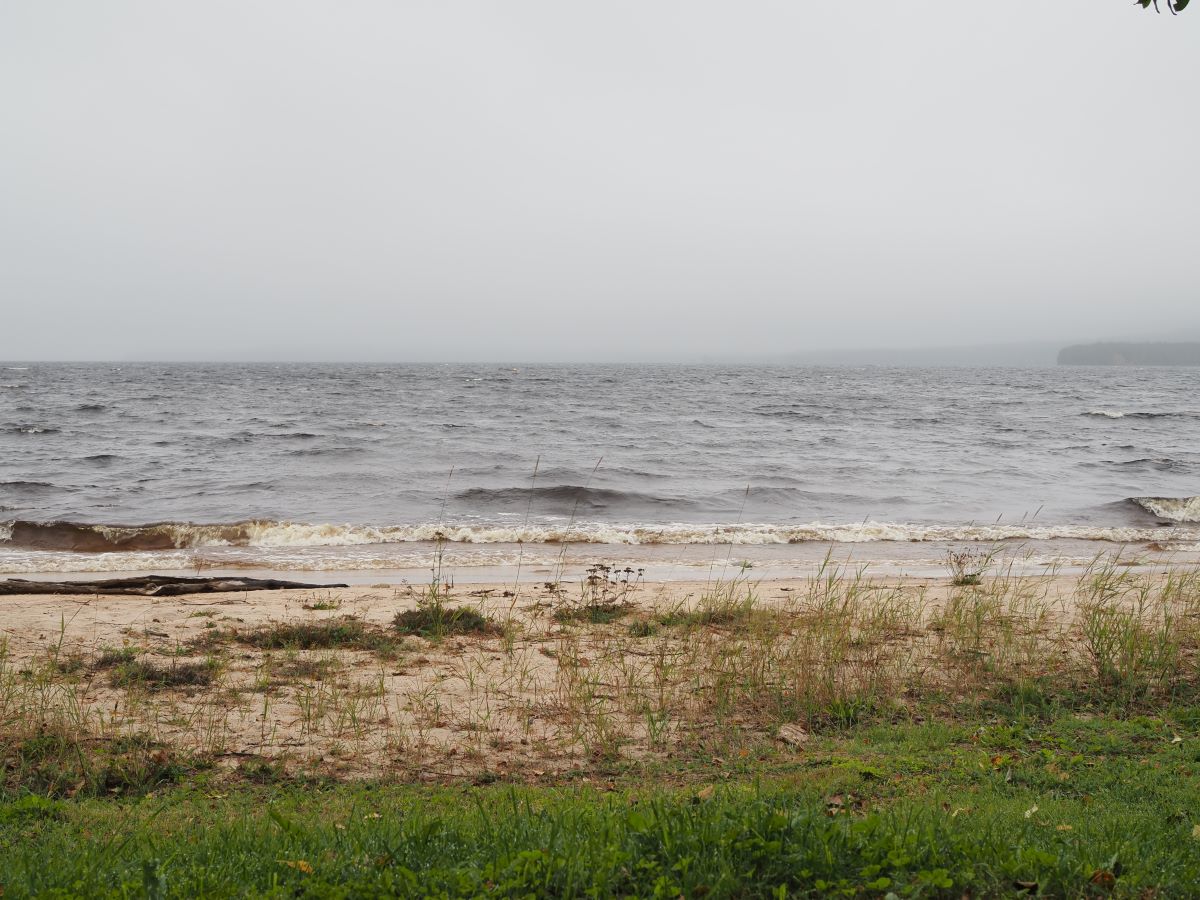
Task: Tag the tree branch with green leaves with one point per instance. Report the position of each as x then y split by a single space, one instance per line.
1175 6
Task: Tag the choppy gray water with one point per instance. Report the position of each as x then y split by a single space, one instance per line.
358 466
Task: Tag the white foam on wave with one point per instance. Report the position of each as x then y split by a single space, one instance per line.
413 560
44 561
284 534
29 562
287 534
266 540
182 535
1174 509
1141 414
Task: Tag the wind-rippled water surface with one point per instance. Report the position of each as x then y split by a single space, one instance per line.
359 466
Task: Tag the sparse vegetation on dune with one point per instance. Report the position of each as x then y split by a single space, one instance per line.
436 619
345 632
858 704
174 674
604 595
623 671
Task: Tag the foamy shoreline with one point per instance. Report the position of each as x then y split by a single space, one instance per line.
485 552
411 562
1176 523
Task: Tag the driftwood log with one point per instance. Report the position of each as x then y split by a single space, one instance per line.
153 586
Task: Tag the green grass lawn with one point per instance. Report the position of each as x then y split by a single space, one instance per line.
1064 806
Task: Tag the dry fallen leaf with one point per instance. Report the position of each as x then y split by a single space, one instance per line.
706 792
300 865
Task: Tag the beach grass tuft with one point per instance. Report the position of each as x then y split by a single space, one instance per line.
344 632
56 761
152 676
436 619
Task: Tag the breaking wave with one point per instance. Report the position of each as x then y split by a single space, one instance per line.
166 536
1173 509
1117 414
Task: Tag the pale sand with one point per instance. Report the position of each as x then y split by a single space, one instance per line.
545 698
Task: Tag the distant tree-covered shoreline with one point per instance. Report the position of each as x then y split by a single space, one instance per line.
1130 354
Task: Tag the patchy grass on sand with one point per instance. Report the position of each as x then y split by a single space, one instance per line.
838 735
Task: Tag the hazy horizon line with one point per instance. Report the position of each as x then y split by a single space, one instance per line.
807 357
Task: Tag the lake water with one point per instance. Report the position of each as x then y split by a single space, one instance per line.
361 467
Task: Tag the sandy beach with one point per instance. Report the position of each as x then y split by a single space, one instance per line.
557 678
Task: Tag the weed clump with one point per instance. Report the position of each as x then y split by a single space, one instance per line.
967 567
258 770
601 614
110 657
322 606
435 619
643 628
1133 638
346 633
725 603
732 602
603 595
57 762
151 676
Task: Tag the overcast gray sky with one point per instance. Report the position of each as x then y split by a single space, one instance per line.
556 180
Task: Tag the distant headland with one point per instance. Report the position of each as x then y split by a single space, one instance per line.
1141 354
